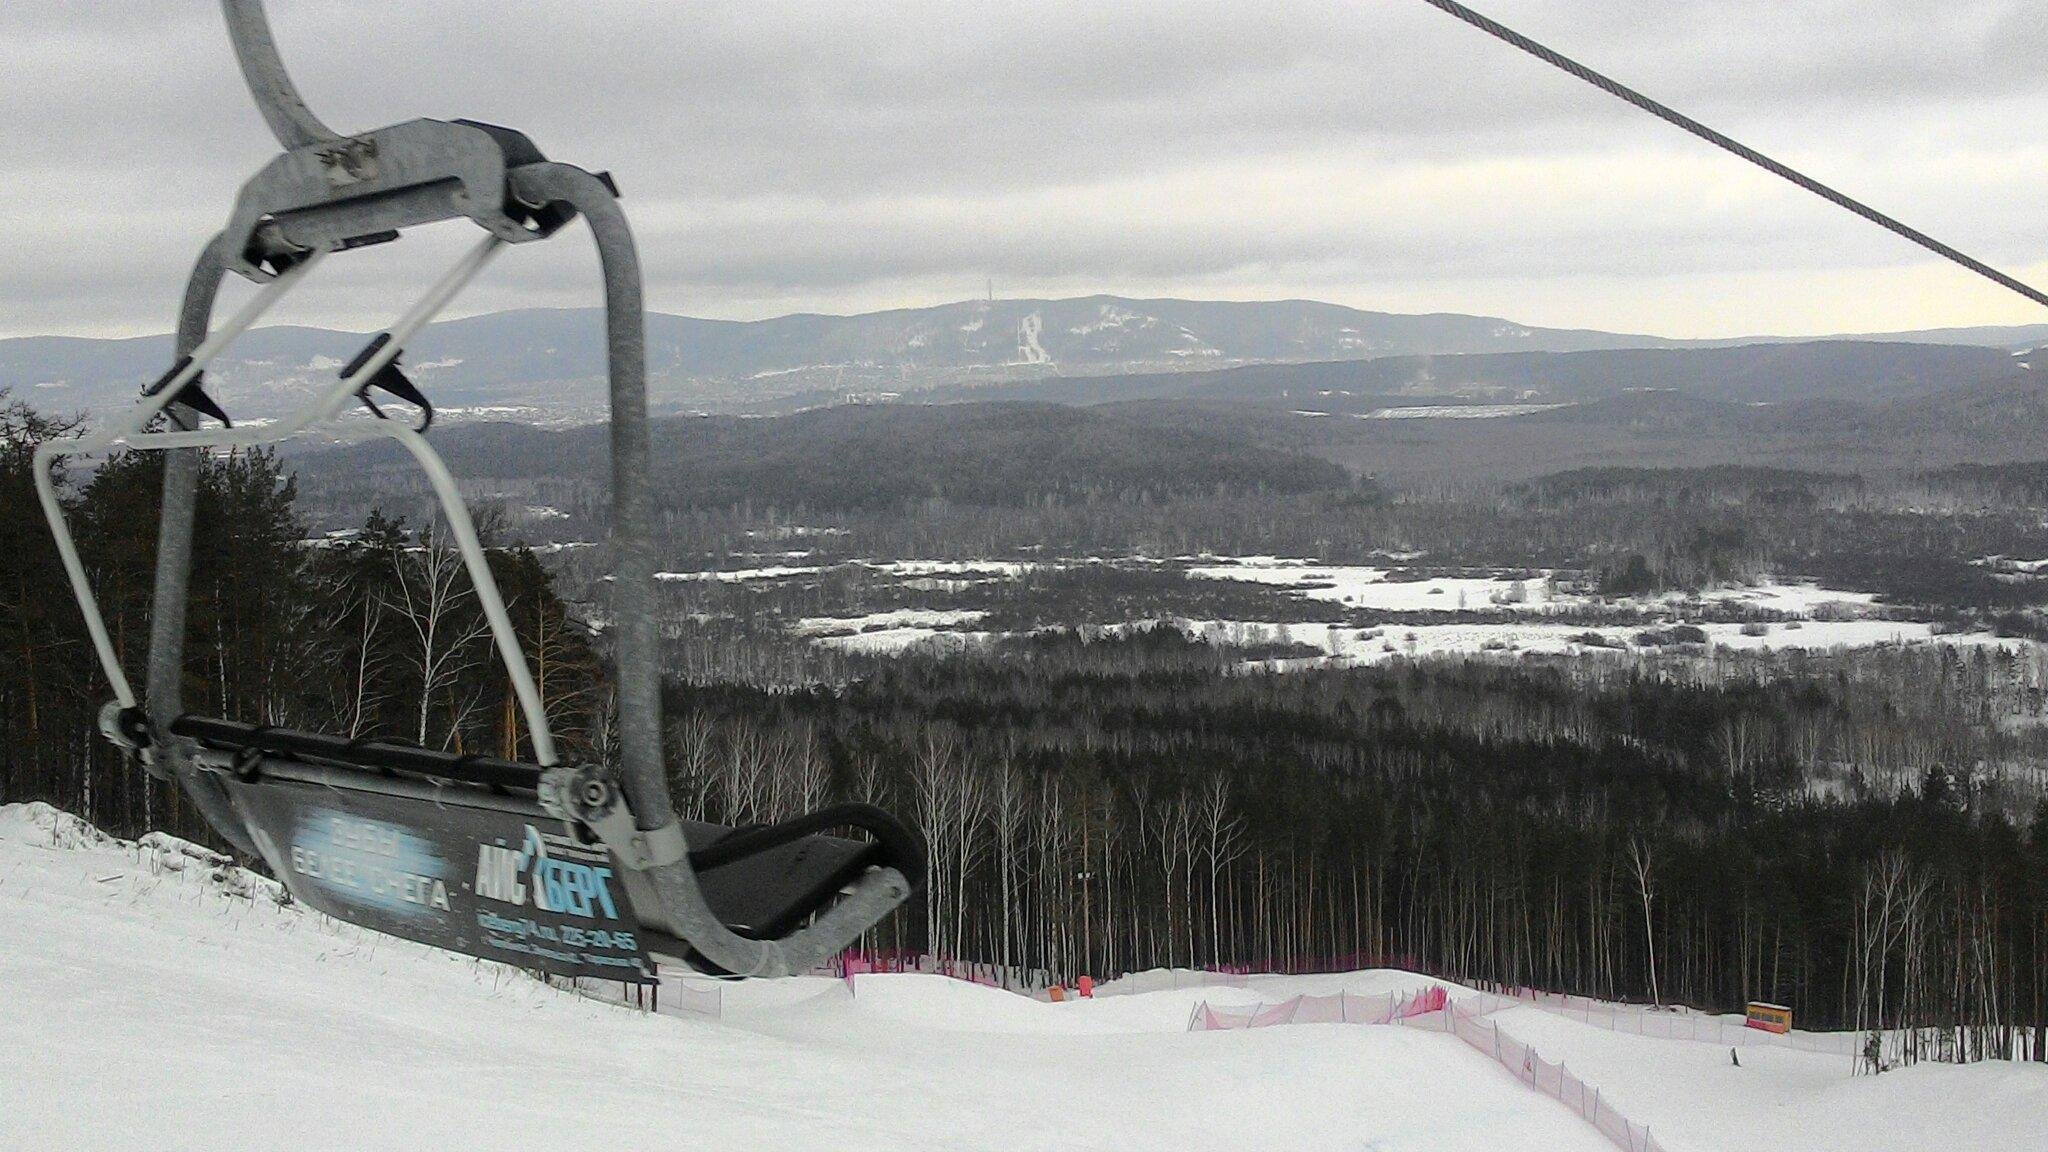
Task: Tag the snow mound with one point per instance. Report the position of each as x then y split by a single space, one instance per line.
157 853
156 996
39 824
943 1004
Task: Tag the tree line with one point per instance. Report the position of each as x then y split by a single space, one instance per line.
376 631
1105 805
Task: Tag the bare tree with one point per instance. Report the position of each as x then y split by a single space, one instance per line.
1223 835
429 588
1643 861
744 783
1008 812
1888 924
694 738
797 778
931 764
1173 839
366 679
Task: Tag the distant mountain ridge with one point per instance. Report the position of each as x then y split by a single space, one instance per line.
548 364
1860 370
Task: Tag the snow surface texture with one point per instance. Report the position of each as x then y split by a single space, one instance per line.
156 997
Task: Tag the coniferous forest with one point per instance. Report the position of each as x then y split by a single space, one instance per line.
376 632
1809 829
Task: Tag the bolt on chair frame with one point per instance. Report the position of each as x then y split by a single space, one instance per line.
328 193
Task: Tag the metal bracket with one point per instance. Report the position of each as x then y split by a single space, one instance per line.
128 728
587 795
344 193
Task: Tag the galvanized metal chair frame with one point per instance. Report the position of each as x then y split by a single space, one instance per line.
328 193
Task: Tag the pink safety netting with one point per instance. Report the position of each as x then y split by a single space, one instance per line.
1336 1008
1465 1018
1683 1024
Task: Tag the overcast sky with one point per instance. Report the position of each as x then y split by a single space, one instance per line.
843 157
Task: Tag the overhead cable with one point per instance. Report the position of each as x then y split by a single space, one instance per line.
1727 143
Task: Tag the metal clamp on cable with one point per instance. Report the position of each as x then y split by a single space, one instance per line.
590 796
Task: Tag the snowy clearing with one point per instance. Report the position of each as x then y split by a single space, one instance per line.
891 641
1418 641
1008 569
743 575
1362 587
1457 411
899 618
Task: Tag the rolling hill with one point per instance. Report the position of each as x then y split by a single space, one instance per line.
547 365
1742 374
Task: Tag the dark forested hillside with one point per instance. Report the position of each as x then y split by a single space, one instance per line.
1725 484
1990 422
869 457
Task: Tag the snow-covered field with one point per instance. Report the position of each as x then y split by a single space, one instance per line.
1361 586
926 618
1457 411
155 999
1506 613
1808 616
1356 586
1372 645
1341 644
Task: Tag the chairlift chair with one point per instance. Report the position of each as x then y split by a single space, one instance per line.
577 869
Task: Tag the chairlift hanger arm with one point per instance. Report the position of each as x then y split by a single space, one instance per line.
277 98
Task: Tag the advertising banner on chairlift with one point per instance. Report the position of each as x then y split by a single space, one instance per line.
486 883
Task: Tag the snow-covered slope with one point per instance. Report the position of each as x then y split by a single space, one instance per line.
1695 1097
151 997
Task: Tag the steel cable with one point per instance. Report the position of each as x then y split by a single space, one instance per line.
1672 116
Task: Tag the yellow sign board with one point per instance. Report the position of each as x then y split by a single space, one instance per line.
1769 1017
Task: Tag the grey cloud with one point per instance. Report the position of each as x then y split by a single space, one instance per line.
821 151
